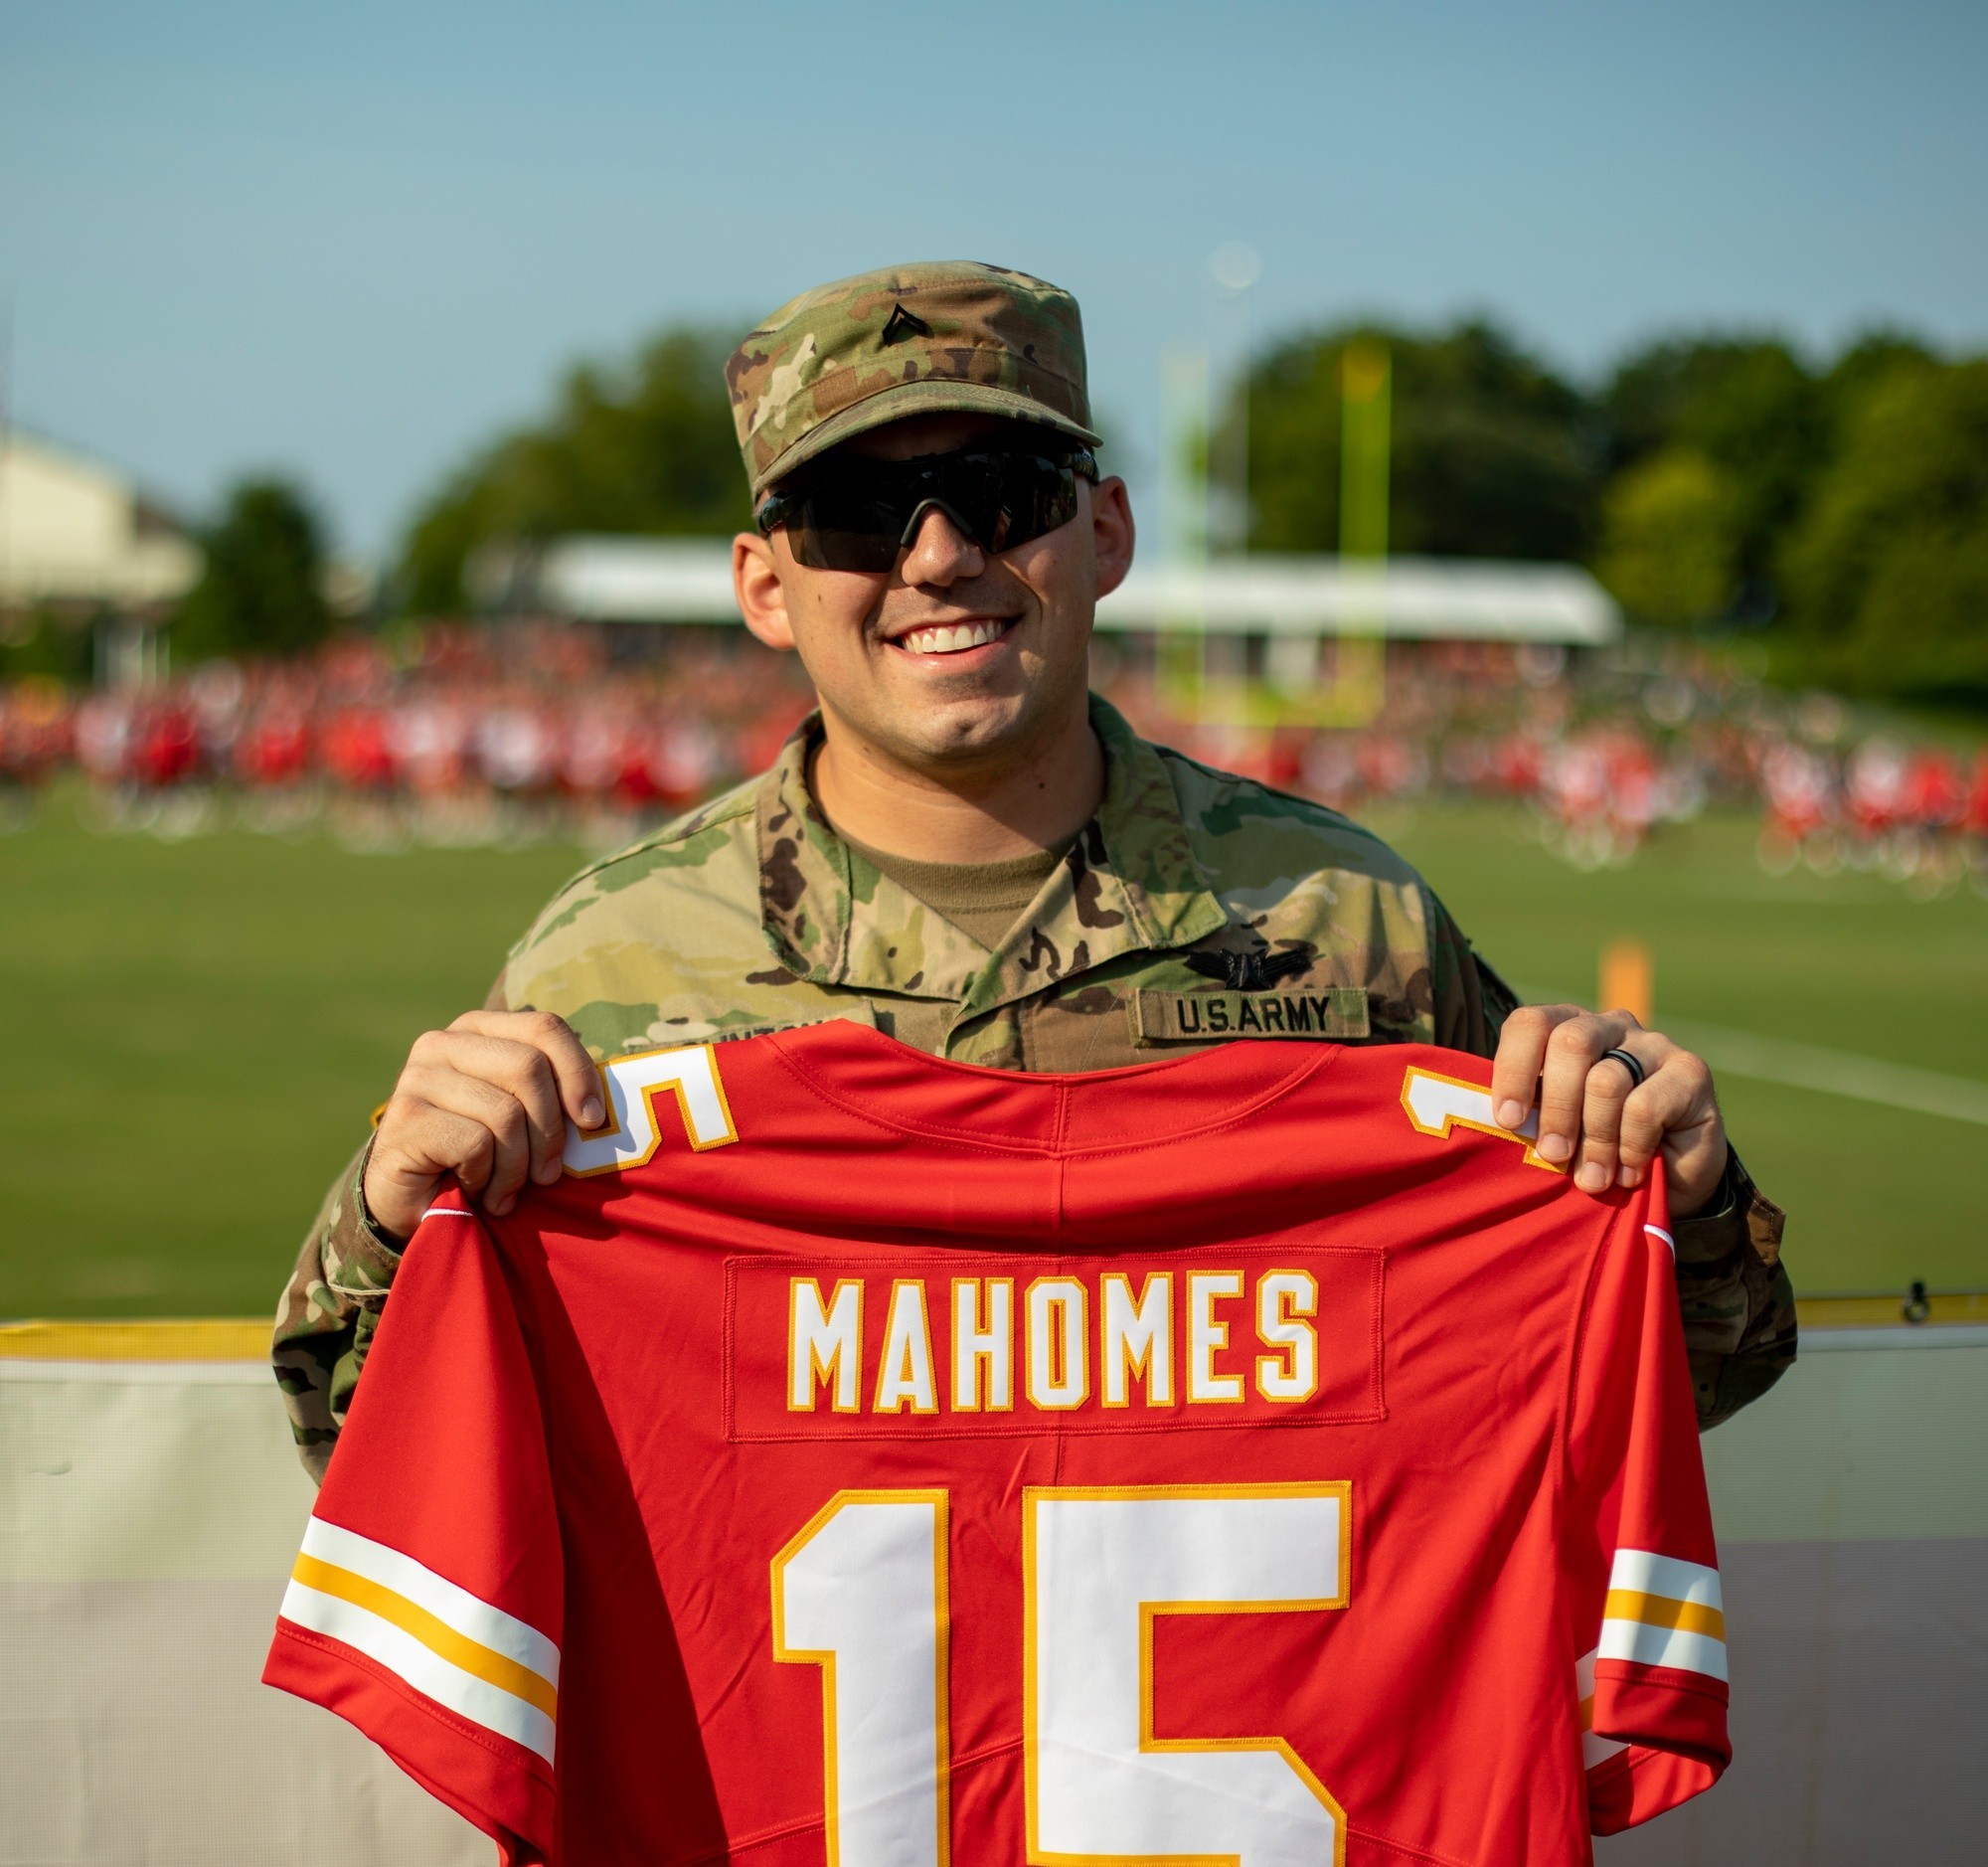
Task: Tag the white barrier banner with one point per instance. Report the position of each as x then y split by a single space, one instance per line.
151 1504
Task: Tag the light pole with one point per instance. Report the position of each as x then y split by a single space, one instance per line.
1365 403
1234 268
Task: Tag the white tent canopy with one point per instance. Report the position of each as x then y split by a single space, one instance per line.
688 580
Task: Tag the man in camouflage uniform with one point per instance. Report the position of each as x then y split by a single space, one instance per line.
967 852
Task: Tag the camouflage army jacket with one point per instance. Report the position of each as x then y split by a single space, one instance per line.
1195 908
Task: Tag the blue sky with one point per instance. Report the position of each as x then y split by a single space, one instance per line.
353 242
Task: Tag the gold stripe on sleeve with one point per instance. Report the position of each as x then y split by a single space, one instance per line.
472 1656
1659 1611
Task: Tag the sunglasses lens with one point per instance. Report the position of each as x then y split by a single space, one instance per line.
856 518
1032 497
836 527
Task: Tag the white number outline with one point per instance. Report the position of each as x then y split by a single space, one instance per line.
1448 1103
824 1658
1149 1612
939 1500
632 1130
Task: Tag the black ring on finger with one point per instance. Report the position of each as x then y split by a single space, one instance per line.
1628 1063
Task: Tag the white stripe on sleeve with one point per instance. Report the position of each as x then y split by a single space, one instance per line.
469 1615
420 1667
1646 1645
1647 1573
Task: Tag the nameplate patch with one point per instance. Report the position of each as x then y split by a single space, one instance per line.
1216 1017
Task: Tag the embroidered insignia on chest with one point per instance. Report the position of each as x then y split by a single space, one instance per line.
1254 971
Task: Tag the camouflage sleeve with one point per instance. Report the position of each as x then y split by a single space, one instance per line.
331 1305
1737 1303
1472 1002
328 1312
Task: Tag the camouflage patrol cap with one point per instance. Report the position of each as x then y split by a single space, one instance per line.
907 340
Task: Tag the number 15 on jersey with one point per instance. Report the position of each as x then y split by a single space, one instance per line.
862 1592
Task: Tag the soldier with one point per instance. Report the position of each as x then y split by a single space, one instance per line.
966 850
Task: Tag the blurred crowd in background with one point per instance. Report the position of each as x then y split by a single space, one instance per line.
522 732
1777 527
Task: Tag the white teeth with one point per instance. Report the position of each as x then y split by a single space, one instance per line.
948 638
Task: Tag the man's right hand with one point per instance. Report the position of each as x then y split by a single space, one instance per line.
485 1101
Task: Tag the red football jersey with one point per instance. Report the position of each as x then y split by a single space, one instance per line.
1251 1457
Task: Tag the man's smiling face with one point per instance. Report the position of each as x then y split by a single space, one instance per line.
956 658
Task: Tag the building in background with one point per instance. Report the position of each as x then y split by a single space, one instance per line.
74 532
689 579
1248 641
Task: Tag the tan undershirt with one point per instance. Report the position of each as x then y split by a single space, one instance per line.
983 899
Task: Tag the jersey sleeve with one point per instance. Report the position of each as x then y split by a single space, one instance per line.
425 1605
1648 1623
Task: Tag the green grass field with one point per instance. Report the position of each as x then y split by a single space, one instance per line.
194 1033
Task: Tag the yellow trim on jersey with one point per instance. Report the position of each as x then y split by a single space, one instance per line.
430 1630
1471 1108
1662 1611
449 1643
1659 1611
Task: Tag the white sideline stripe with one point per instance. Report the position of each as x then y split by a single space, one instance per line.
1817 1338
1810 1067
469 1615
447 1212
1646 1645
422 1668
1644 1571
1657 1231
1835 1072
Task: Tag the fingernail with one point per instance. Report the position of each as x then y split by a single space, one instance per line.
1510 1114
1592 1179
591 1113
499 1207
1556 1147
546 1172
1631 1176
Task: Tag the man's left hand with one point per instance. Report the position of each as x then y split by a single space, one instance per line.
1594 1115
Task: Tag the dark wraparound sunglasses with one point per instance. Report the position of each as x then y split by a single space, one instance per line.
859 514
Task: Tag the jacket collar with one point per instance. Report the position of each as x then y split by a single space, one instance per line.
1129 884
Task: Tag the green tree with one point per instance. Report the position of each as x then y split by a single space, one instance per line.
1669 550
1494 456
648 448
1876 354
262 588
1888 572
1749 409
42 641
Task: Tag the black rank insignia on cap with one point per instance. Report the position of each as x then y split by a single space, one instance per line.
903 324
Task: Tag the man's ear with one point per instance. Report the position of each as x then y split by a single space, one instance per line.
1112 532
756 581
